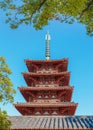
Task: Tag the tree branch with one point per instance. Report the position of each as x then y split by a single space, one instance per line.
87 8
41 4
38 8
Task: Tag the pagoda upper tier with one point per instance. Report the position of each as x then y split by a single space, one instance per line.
47 65
42 78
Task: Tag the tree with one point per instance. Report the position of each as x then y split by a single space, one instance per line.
6 87
6 93
5 124
40 12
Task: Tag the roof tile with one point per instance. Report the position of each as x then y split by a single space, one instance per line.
51 122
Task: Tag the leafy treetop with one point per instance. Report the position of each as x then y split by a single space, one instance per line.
40 12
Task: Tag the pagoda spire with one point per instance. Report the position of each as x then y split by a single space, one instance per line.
47 38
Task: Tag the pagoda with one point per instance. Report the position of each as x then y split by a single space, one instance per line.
48 90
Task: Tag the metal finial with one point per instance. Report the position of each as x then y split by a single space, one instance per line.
47 38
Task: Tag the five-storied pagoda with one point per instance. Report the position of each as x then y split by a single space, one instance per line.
48 91
48 96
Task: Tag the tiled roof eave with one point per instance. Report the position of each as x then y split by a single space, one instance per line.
45 74
45 105
46 61
44 88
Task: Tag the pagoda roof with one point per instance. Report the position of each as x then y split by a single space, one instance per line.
30 106
26 91
27 76
46 61
29 88
38 63
46 74
34 105
51 122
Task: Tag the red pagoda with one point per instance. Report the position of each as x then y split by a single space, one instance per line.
48 91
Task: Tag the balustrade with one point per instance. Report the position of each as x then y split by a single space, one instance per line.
47 71
46 85
46 101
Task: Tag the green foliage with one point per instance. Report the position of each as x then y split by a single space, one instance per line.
6 87
6 93
40 12
5 124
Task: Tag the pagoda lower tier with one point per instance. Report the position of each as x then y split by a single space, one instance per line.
32 94
66 108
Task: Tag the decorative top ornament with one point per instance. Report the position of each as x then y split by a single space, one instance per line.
47 38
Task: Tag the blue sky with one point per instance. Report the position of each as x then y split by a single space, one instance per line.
67 41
